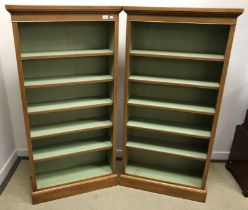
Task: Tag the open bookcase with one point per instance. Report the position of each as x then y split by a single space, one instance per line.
176 64
67 63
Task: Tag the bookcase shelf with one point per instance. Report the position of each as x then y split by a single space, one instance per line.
171 105
167 148
66 176
65 105
163 174
178 55
59 150
170 128
69 127
176 64
67 64
66 80
176 82
66 54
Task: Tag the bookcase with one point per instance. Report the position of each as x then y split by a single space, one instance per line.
67 65
176 65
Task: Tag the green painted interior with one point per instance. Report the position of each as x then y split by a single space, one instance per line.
163 174
52 94
70 116
56 150
173 81
175 68
74 168
65 80
66 127
68 104
64 36
179 37
72 174
48 68
178 105
169 127
172 93
173 117
166 168
182 55
167 147
69 138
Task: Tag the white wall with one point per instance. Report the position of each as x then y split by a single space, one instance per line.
7 146
235 101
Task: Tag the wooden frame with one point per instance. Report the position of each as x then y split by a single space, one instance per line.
54 14
195 16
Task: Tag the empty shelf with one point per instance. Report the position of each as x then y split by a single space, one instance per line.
172 106
170 128
74 104
167 148
69 148
163 174
178 55
66 80
65 54
175 82
60 177
69 127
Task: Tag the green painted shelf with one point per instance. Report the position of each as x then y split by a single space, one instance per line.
69 148
178 55
171 105
167 148
45 107
66 80
163 174
69 127
67 53
66 176
170 128
176 82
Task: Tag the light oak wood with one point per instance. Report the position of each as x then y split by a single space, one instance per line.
218 105
22 14
24 105
74 188
163 188
130 173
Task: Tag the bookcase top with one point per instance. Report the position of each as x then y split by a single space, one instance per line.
62 9
177 11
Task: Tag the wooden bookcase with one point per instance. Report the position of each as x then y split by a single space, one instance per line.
176 65
67 62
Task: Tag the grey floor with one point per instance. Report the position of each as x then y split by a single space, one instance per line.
223 193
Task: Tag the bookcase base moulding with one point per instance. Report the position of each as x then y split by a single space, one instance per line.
176 65
67 60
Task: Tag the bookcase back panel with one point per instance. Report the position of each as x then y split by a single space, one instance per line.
66 67
70 162
154 138
200 38
61 36
172 68
155 115
60 117
69 92
185 94
67 138
165 161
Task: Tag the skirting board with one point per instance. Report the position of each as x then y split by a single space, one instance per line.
7 166
163 188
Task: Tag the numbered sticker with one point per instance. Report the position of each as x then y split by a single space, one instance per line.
105 17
